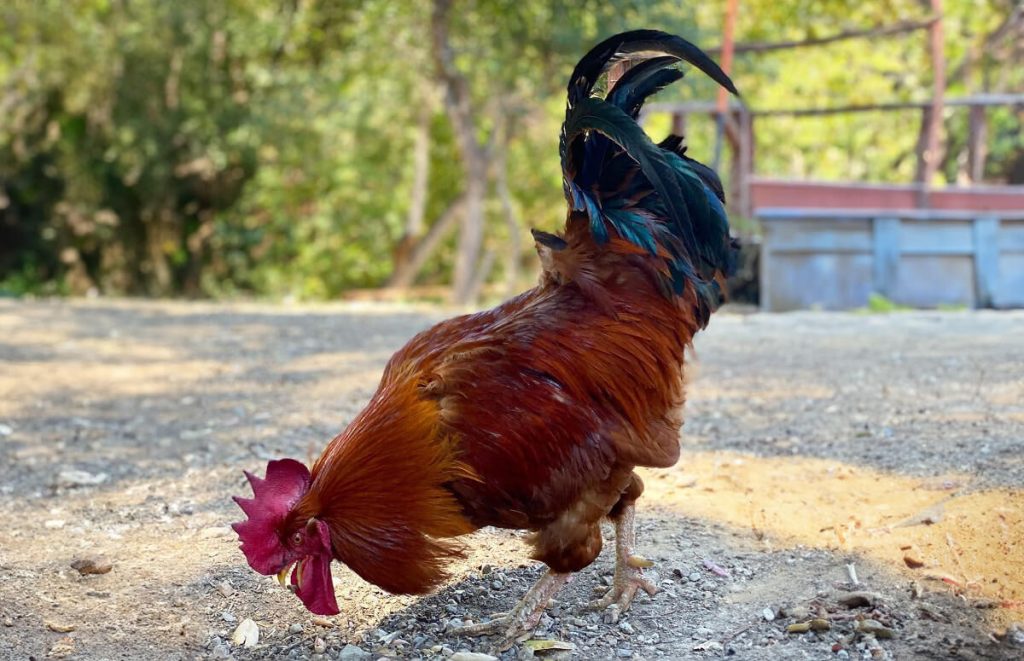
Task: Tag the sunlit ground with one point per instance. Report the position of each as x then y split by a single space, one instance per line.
936 531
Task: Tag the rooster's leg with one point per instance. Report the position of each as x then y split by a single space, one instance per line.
628 575
523 617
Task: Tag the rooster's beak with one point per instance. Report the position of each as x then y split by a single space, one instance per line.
282 576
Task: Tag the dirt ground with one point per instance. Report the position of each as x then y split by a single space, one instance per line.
861 476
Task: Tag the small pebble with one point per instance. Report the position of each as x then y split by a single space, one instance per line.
77 478
8 622
54 524
59 627
768 614
247 634
626 627
471 656
322 622
213 532
624 653
228 617
874 627
694 577
354 653
62 648
225 589
295 628
92 565
319 646
797 612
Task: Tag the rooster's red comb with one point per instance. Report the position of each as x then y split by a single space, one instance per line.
273 498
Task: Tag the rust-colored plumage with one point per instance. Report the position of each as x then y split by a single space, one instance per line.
534 414
531 415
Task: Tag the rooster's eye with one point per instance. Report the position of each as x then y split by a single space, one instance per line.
297 538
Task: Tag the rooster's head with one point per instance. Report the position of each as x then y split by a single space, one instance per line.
279 537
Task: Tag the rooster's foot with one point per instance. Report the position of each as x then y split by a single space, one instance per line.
521 620
628 579
629 576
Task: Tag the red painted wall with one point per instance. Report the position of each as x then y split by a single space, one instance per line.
822 195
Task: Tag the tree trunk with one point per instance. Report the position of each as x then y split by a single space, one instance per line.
457 104
930 155
418 194
405 273
977 148
511 219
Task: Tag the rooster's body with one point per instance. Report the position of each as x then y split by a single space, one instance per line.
534 414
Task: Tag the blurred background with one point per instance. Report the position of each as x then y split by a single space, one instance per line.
317 149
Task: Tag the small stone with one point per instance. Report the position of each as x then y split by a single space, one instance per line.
486 569
694 577
912 560
92 565
295 628
319 646
624 653
354 653
60 627
221 651
5 430
626 627
62 648
768 614
799 627
247 634
322 622
471 656
225 589
708 646
874 627
227 616
860 599
213 532
796 612
77 478
8 622
54 524
820 624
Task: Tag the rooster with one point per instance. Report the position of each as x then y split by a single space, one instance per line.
532 415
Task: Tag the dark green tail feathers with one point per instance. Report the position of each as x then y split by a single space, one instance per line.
652 195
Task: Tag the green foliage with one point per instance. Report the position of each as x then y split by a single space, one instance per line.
263 147
879 304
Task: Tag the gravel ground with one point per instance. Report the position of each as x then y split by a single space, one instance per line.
814 443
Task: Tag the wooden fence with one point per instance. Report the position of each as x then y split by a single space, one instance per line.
836 258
